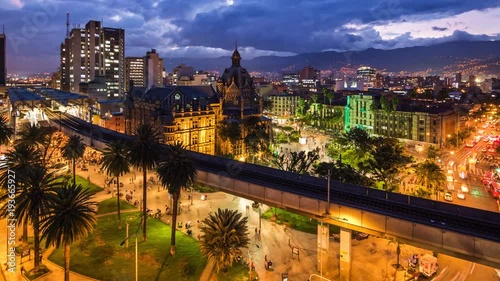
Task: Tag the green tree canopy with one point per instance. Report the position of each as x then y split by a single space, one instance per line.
224 234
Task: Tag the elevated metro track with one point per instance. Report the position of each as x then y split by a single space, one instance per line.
464 232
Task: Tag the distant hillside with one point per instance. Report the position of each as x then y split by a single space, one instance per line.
437 58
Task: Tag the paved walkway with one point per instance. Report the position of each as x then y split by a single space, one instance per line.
276 242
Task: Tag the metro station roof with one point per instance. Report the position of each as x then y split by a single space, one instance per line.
52 94
22 96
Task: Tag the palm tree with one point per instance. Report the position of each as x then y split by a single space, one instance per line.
34 199
71 218
176 171
116 162
6 132
74 150
42 137
430 175
18 160
224 234
144 150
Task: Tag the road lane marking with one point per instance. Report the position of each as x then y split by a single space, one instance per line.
472 269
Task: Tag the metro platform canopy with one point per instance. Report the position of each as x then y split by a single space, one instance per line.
22 96
60 96
19 96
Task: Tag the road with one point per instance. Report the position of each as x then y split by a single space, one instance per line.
478 197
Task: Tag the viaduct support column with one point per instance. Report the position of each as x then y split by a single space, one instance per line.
323 247
345 254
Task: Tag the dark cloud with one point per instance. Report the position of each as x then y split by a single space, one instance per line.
437 28
202 28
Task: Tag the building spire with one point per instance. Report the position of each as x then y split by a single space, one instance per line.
236 58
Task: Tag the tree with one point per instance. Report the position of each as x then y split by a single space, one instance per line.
297 162
267 105
430 175
71 217
45 138
176 171
143 154
257 138
342 172
433 152
224 233
6 132
386 161
19 160
33 201
330 95
73 150
230 130
116 162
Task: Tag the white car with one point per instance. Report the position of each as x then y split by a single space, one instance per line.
461 195
464 189
448 197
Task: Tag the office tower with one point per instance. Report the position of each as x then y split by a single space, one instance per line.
154 70
93 52
135 72
367 75
145 71
3 59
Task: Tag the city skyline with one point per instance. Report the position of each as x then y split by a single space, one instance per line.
177 29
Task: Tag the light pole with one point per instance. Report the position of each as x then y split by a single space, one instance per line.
136 252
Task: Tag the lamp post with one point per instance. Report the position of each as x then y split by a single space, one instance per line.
136 251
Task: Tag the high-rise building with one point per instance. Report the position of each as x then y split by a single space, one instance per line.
91 52
134 71
368 76
145 71
309 79
3 59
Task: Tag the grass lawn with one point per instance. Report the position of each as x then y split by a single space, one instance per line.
109 206
100 255
237 272
295 221
85 183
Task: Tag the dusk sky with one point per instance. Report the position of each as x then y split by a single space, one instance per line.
203 28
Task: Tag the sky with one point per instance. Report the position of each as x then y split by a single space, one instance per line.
211 28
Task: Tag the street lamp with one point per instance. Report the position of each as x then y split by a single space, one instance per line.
126 239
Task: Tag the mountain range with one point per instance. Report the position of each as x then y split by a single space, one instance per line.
480 57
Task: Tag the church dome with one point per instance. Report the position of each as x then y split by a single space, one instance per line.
236 74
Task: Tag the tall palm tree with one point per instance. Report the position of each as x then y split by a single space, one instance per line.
430 175
34 199
116 162
18 160
144 150
225 232
73 150
72 216
176 171
6 132
42 137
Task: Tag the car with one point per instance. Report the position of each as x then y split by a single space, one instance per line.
450 179
461 195
448 197
483 149
464 189
491 150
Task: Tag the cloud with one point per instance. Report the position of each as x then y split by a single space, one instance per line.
198 28
437 28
